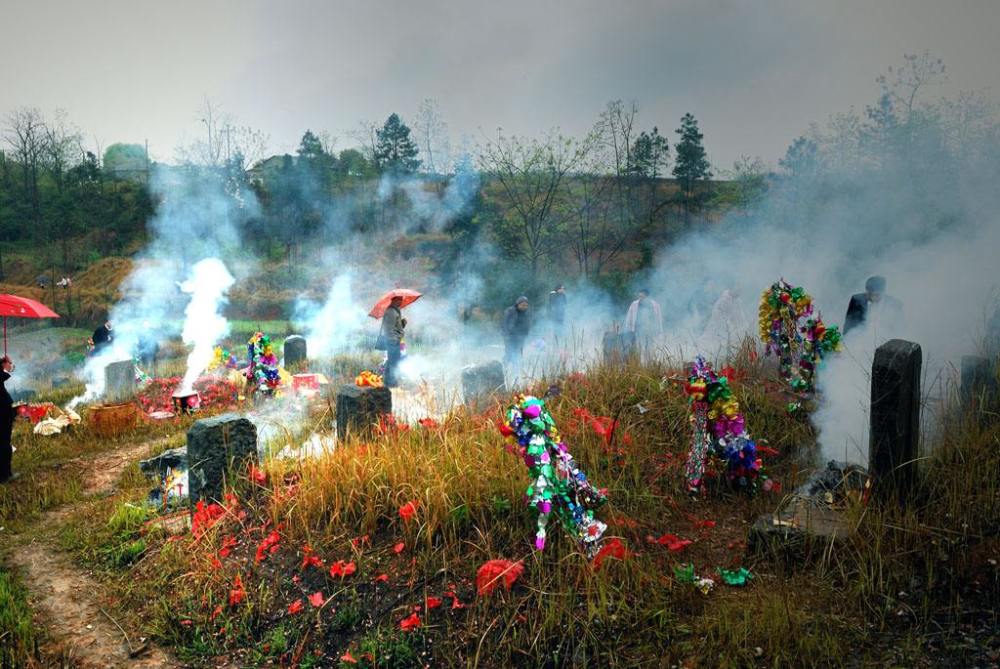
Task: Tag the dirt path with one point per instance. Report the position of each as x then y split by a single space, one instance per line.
66 599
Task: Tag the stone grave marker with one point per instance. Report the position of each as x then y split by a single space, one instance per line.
296 351
895 419
482 382
359 408
119 382
216 446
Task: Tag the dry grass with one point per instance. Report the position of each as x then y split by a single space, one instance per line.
931 561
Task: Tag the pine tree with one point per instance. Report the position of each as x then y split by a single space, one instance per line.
650 154
395 152
691 163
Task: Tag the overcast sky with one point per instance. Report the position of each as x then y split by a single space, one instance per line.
754 73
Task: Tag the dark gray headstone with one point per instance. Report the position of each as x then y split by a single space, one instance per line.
617 347
978 379
895 418
295 351
359 408
483 382
216 446
119 382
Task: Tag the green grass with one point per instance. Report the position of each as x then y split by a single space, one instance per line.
18 634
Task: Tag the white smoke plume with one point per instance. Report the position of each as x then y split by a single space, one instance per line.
204 324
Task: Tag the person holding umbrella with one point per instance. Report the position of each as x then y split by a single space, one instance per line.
390 339
393 326
7 415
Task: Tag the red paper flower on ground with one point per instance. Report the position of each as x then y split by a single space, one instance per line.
398 548
237 593
490 574
411 623
432 602
612 548
348 658
382 578
316 599
340 569
205 516
408 511
295 607
673 543
268 546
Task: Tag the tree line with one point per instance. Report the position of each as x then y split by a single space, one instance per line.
595 205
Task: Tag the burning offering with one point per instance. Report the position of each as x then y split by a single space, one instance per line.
791 332
186 401
558 483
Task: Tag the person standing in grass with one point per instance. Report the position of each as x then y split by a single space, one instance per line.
393 326
644 320
102 337
7 414
515 327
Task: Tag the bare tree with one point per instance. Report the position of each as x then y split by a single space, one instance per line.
62 147
615 199
224 142
25 135
431 133
528 176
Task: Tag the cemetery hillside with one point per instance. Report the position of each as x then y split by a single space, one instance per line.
413 394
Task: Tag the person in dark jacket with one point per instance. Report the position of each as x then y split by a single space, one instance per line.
393 326
515 327
863 304
102 337
557 308
7 414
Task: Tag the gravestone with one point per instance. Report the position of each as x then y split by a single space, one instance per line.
119 382
359 408
216 446
895 418
295 351
978 379
618 347
483 382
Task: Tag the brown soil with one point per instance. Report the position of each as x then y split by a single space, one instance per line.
66 599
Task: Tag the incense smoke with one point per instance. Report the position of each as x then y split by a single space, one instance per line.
204 323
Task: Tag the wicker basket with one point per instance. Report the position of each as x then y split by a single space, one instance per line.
111 420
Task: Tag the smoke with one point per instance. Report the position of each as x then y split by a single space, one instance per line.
199 214
334 325
204 324
904 195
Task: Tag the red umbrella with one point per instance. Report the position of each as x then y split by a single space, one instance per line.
409 297
12 306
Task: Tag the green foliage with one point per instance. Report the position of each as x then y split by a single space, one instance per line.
691 163
395 152
391 649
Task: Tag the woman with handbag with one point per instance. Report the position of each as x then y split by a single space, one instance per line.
391 337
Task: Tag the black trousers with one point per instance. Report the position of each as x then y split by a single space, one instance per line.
6 452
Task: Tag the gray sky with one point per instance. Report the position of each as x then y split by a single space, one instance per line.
754 73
